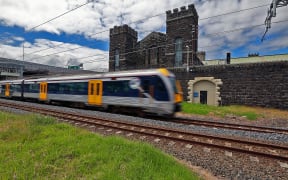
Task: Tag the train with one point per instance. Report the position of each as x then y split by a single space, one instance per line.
152 91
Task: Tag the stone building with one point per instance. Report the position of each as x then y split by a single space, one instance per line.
174 49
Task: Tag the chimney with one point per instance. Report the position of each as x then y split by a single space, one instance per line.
228 58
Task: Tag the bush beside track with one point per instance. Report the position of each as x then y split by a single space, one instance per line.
36 147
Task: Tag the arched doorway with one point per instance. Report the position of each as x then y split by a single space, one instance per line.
204 90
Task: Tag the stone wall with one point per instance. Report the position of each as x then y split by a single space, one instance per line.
264 84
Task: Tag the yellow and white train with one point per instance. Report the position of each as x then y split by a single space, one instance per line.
153 91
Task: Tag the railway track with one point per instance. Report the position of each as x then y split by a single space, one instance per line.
215 124
252 148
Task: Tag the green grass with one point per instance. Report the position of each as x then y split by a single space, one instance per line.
37 147
221 111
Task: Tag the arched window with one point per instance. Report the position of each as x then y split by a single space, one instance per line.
178 51
117 59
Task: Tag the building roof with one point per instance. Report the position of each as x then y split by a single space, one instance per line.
251 59
153 36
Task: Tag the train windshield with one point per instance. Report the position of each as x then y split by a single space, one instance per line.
173 82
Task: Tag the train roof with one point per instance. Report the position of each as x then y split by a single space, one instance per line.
160 71
14 81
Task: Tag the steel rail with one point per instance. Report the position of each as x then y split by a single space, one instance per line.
125 127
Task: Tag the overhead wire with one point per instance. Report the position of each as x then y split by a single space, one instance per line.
164 45
143 19
58 16
149 18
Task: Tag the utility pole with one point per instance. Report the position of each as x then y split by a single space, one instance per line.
23 53
272 13
22 71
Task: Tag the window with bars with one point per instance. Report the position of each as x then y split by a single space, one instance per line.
178 52
117 59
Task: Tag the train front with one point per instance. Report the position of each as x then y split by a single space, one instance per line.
178 93
175 89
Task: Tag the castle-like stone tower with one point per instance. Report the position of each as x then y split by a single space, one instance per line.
182 36
173 49
123 40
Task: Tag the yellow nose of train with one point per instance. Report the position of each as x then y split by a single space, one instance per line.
179 94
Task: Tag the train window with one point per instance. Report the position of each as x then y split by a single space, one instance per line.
92 88
118 88
79 88
146 85
53 88
34 88
173 83
25 87
126 87
12 87
160 92
17 88
68 88
65 88
2 89
97 89
160 85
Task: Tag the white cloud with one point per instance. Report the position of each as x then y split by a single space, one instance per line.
95 19
61 55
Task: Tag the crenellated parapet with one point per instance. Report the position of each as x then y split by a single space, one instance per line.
123 29
182 12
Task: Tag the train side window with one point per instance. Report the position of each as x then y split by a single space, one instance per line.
92 88
34 88
53 88
12 87
160 85
160 92
97 89
146 85
126 87
2 89
77 88
17 88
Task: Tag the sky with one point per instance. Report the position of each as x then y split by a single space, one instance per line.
82 35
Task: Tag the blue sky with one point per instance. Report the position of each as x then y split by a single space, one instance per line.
12 31
82 36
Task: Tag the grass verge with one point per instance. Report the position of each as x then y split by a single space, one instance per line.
250 113
37 147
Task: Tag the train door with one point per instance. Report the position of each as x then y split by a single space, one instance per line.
43 91
7 90
95 88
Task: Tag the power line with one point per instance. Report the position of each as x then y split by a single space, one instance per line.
52 20
165 45
233 12
59 16
55 53
141 21
272 13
